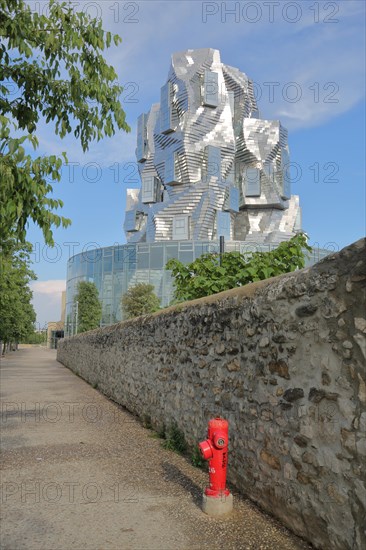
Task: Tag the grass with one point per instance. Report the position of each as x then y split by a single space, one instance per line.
146 422
196 458
175 440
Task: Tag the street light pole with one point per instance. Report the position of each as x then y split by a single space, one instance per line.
77 316
222 247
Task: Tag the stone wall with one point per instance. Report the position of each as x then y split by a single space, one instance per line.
284 361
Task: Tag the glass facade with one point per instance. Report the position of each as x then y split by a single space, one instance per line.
212 165
223 224
113 269
180 228
210 89
141 149
150 189
170 169
166 109
232 200
252 180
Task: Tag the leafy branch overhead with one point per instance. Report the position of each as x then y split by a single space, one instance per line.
56 65
209 274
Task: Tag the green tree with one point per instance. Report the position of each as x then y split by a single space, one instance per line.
17 313
211 273
140 300
55 63
35 338
89 307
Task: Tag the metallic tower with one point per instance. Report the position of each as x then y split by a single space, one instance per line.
209 165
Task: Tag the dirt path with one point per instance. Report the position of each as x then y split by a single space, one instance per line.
79 472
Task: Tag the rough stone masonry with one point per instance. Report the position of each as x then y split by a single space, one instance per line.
284 361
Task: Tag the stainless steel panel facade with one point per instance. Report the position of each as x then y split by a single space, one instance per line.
199 143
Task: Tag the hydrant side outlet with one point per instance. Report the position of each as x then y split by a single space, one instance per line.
206 449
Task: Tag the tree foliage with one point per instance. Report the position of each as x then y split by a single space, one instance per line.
56 66
35 338
89 307
210 274
140 300
17 313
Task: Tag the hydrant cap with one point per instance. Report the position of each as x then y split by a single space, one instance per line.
219 440
218 424
206 450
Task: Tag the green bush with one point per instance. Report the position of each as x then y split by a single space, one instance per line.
175 440
140 300
35 338
212 273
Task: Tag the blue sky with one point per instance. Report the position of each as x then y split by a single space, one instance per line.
307 60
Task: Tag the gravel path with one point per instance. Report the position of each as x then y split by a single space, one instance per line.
80 472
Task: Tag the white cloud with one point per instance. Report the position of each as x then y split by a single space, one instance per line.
118 148
49 287
47 300
312 50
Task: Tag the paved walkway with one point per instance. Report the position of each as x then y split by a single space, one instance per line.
79 472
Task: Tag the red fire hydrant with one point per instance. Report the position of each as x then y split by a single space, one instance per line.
217 499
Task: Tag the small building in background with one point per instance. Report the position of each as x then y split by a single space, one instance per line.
55 329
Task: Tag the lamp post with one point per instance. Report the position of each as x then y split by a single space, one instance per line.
222 247
76 316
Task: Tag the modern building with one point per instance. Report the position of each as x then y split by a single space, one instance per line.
210 167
